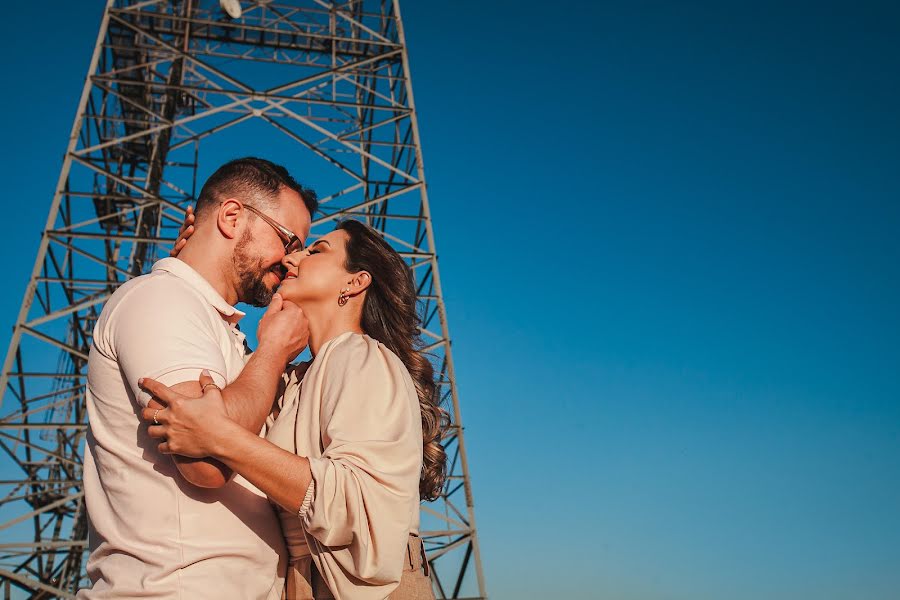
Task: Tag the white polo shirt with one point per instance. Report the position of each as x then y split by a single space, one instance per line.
153 534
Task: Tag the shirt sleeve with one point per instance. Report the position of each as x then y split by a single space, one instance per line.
164 331
358 512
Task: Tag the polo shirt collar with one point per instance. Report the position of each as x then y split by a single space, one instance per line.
180 269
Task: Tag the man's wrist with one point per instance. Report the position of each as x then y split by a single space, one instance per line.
274 353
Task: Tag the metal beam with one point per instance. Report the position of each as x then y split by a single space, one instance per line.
167 79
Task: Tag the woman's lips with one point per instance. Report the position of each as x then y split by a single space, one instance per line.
290 275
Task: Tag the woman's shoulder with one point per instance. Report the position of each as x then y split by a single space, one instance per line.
358 352
358 366
351 347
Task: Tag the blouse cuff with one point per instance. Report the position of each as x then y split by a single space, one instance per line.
307 500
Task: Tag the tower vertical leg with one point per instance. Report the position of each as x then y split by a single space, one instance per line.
167 81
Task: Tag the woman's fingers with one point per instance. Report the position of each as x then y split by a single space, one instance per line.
161 393
188 219
155 415
205 380
164 448
179 245
186 231
155 404
157 432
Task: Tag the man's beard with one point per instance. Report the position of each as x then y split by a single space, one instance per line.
251 274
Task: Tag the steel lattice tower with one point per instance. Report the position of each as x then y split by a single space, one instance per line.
165 78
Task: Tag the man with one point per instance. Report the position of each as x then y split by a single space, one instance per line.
187 529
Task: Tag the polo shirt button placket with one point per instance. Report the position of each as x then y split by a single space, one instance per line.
239 340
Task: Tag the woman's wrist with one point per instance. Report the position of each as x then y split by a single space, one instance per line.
224 441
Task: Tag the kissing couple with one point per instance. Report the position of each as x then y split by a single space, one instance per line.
211 472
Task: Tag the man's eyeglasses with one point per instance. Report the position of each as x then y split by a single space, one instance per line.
292 243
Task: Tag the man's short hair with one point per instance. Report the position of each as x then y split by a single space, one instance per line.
255 181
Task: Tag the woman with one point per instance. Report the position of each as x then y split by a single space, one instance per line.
356 440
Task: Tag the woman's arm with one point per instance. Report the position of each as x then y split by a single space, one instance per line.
365 484
283 476
247 402
283 333
200 427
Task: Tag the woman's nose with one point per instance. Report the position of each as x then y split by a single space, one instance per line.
290 261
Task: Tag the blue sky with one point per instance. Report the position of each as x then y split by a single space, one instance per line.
669 241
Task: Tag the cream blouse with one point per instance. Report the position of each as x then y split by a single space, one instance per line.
354 413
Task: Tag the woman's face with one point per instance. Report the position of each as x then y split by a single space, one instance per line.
317 275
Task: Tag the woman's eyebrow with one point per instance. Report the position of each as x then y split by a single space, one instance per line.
317 242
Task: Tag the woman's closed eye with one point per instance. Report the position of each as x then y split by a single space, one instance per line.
317 247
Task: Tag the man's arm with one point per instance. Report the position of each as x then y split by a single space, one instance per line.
283 332
248 401
202 472
162 330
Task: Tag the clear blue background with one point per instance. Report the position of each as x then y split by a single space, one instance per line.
669 237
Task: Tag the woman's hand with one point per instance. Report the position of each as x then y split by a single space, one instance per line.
194 427
186 231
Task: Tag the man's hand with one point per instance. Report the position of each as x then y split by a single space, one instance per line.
283 330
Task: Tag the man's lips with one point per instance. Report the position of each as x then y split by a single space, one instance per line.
279 272
290 275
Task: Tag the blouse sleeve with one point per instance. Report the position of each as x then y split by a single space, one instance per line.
358 510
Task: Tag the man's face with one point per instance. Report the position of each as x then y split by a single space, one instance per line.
260 250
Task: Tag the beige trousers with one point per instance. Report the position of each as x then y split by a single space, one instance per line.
305 583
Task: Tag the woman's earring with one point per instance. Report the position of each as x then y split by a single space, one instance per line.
343 298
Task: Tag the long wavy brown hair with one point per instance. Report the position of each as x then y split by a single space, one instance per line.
389 315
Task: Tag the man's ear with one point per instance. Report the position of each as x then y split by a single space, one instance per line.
228 217
359 282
